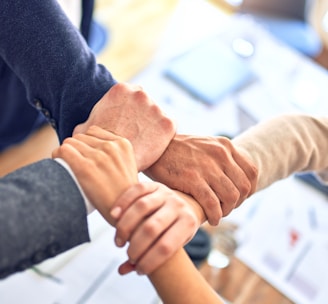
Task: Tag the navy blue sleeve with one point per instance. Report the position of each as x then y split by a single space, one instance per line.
51 58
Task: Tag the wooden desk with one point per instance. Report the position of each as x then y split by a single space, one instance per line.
240 285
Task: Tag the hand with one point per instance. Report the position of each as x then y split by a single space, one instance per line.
128 111
156 221
210 169
104 165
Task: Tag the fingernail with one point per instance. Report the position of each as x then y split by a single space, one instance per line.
116 212
119 242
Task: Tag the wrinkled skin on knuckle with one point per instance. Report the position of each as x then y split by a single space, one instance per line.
168 126
192 177
226 142
234 195
245 189
224 156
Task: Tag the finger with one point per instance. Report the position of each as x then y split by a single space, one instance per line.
241 182
232 188
83 145
151 230
94 141
211 203
226 191
101 133
70 155
135 215
126 267
249 169
66 150
127 198
163 249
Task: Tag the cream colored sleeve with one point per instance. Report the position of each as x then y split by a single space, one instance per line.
286 144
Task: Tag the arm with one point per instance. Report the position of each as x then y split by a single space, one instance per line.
209 169
42 214
179 282
156 222
128 111
285 145
63 80
49 55
176 275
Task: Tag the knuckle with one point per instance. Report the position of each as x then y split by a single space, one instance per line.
234 195
225 141
164 249
193 174
106 146
150 229
245 189
168 124
68 140
141 96
253 172
142 204
141 187
191 222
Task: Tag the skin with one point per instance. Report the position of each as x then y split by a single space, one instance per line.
209 169
156 222
90 156
99 160
179 282
128 111
115 167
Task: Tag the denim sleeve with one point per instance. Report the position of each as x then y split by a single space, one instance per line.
51 58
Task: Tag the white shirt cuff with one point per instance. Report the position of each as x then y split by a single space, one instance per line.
90 208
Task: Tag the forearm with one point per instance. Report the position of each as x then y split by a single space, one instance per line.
284 145
48 54
178 281
41 215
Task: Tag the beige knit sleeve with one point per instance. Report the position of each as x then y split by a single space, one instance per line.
284 145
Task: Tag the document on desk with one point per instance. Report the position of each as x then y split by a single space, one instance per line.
285 240
89 276
29 287
92 277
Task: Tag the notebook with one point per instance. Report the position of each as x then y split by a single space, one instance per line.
210 71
